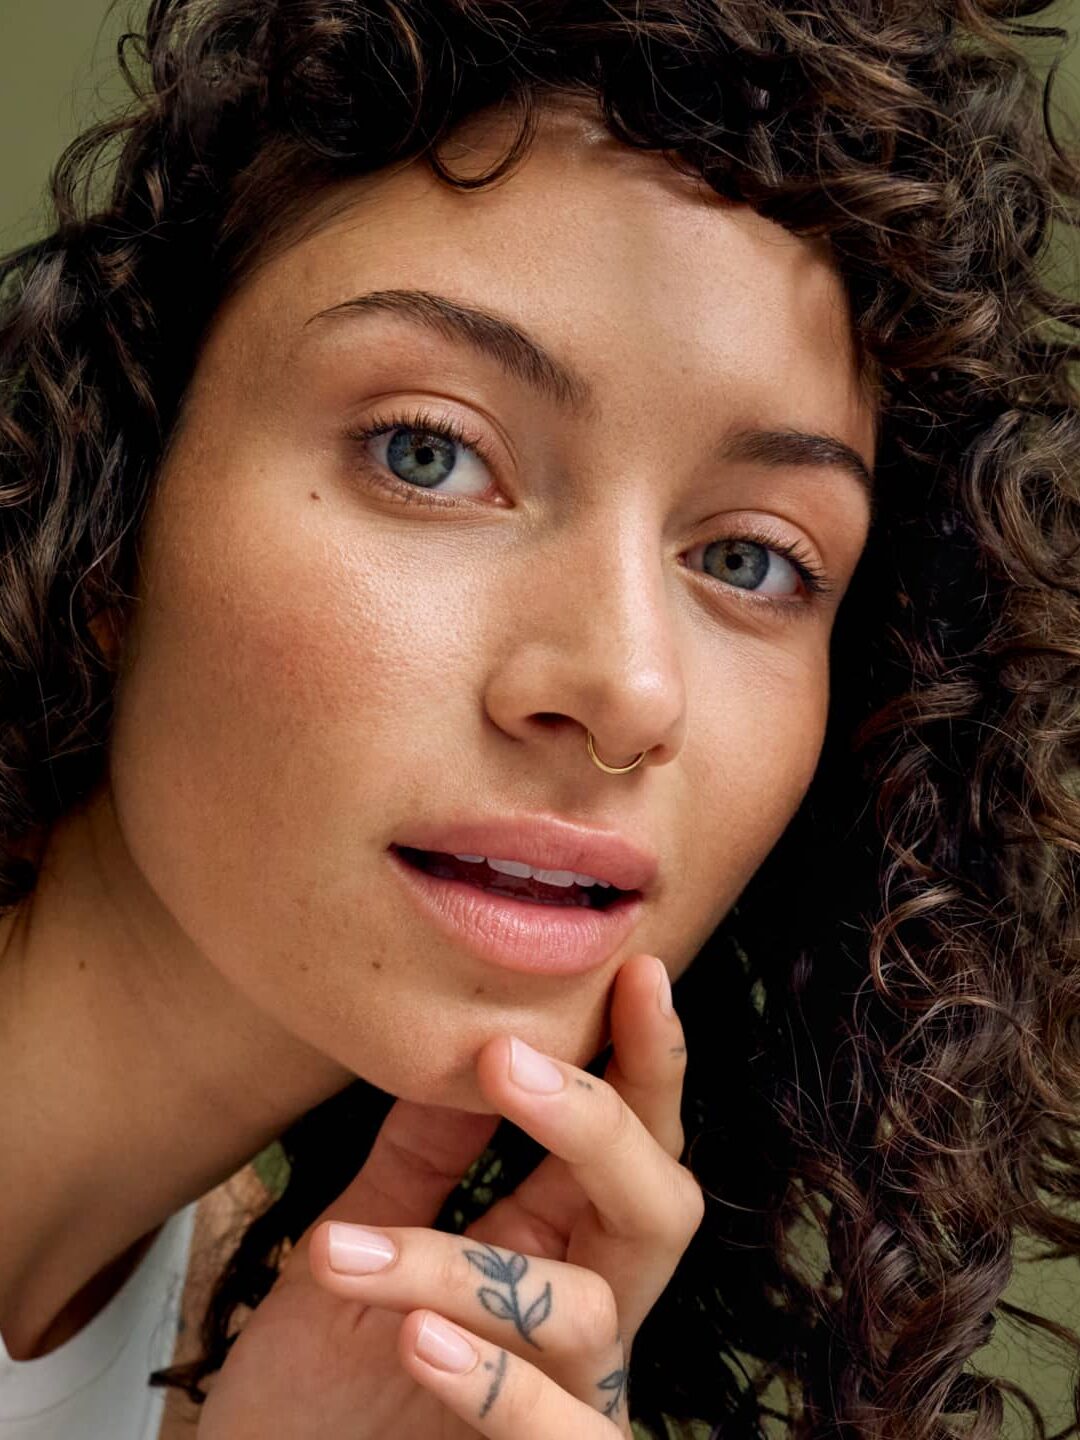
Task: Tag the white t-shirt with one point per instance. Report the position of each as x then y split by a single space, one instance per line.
94 1386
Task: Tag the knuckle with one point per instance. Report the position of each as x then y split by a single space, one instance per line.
692 1198
454 1272
678 1220
596 1314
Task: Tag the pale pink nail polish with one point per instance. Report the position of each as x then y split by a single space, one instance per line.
533 1071
444 1347
355 1250
663 990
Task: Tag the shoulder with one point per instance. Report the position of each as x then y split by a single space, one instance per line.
221 1217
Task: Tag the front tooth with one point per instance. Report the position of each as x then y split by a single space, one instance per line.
562 878
511 867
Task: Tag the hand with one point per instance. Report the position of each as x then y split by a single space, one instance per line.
549 1287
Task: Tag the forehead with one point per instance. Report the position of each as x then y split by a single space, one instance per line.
617 260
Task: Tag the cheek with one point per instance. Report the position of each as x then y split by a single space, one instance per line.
761 745
784 735
273 681
282 708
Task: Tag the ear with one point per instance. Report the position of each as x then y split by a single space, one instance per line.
106 627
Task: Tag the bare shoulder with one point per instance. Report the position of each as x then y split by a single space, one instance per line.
221 1217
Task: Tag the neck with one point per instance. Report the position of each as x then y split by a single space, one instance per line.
139 1079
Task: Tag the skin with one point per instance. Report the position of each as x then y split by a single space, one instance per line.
550 1299
312 666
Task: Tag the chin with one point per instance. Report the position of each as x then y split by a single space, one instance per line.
455 1088
429 1067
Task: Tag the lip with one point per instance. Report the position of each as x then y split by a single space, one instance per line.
518 934
543 842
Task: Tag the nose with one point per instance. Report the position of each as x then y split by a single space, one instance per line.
595 648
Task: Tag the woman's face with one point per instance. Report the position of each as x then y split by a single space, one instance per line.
314 666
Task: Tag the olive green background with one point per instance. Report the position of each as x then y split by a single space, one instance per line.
58 71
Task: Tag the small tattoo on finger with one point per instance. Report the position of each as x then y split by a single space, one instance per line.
496 1384
614 1380
508 1272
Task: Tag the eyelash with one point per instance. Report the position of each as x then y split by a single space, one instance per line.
447 428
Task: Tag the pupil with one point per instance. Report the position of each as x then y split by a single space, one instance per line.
419 456
739 557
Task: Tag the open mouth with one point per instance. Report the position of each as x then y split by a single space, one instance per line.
527 888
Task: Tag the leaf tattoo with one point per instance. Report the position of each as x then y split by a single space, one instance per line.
539 1310
496 1304
615 1381
507 1307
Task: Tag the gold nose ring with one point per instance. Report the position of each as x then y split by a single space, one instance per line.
611 769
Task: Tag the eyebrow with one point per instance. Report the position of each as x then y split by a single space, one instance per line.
521 356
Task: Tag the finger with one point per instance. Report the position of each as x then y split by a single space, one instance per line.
419 1155
500 1395
648 1064
561 1313
647 1070
539 1215
645 1205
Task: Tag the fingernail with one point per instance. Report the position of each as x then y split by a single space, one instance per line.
663 990
356 1250
444 1347
533 1071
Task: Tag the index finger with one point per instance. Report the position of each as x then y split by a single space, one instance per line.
647 1070
632 1180
648 1063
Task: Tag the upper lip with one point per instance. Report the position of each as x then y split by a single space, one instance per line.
544 842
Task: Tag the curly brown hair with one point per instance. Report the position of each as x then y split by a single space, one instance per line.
883 1032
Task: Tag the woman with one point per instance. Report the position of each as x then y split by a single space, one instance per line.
483 459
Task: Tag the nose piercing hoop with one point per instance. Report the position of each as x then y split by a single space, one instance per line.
611 769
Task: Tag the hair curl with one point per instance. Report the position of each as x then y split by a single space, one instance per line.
882 1033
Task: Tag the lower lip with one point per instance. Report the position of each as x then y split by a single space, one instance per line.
515 934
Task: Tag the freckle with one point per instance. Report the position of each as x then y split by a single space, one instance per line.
304 966
376 964
82 964
314 496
